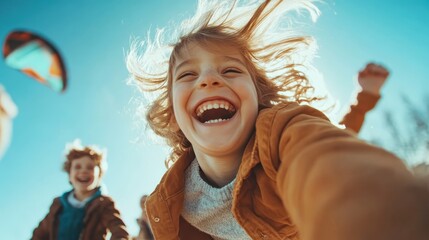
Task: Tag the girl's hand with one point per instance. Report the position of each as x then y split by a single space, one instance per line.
372 78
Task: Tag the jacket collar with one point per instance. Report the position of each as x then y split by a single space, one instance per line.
165 204
173 181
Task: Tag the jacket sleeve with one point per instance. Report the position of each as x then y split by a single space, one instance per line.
355 117
112 219
42 231
337 187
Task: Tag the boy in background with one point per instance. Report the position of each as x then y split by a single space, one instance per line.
84 212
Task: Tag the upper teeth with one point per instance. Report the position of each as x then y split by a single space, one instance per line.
214 105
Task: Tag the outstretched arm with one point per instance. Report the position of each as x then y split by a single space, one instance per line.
113 221
44 229
338 187
370 79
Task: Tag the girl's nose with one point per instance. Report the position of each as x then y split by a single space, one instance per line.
210 79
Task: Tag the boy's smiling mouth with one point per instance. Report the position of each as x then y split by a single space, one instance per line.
83 179
215 111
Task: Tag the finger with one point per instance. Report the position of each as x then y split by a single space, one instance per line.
363 74
377 70
370 65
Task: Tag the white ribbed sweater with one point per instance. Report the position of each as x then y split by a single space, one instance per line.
208 208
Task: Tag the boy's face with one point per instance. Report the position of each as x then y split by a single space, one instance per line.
214 99
84 174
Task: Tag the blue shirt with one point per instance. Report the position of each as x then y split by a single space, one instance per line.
71 217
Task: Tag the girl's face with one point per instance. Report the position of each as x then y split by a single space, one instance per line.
84 175
214 99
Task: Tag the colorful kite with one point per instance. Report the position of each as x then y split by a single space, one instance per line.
35 57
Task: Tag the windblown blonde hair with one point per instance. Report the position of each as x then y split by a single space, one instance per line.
274 55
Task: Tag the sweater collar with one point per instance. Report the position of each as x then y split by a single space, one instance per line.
68 199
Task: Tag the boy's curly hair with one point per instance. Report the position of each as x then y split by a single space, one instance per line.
76 150
275 56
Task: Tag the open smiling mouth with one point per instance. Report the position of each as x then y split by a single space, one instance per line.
83 180
215 111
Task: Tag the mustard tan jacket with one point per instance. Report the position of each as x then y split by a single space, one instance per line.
303 178
101 215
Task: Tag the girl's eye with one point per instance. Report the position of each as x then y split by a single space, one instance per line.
185 74
231 70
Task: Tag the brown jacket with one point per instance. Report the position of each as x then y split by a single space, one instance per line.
101 215
300 174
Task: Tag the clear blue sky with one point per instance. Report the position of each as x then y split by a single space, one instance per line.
99 107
